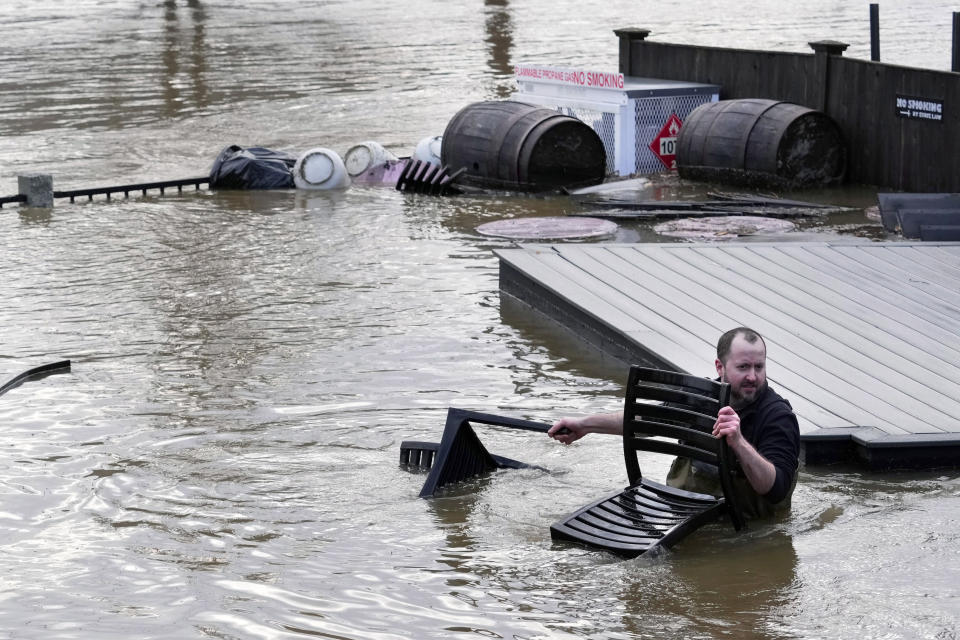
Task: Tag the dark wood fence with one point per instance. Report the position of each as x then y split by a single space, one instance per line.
901 124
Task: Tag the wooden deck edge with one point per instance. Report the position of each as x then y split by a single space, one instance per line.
879 451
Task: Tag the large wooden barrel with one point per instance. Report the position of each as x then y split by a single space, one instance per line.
762 143
514 145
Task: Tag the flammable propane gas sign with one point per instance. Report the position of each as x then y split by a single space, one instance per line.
575 77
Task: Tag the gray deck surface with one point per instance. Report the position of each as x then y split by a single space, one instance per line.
860 337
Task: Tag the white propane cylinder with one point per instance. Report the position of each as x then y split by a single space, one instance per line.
320 168
428 150
364 156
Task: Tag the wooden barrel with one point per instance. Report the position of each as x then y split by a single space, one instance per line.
514 145
762 143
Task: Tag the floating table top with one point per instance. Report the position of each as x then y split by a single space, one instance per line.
548 228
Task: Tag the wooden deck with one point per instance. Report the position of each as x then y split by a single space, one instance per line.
863 339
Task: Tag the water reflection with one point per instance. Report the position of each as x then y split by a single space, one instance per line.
33 216
246 363
712 579
319 201
561 346
499 26
452 514
184 57
208 321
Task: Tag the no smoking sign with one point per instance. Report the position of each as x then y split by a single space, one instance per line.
665 144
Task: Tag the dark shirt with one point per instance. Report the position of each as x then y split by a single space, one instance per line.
768 423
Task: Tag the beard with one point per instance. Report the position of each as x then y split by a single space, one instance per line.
744 395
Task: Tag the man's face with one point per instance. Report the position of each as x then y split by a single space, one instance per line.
745 370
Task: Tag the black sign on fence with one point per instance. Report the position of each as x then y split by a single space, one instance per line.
919 108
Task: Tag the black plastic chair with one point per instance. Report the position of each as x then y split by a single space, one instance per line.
460 455
668 413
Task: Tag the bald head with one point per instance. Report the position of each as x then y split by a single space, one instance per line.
725 342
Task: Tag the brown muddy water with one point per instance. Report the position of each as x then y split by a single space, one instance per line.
222 461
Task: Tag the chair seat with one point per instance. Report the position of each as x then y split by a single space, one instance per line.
639 519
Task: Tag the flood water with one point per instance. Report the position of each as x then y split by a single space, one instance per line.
222 460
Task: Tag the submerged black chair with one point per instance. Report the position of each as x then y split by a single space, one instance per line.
460 455
668 413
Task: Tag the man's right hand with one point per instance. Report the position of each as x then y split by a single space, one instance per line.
567 430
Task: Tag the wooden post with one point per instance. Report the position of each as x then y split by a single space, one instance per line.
627 36
823 49
38 189
875 32
956 42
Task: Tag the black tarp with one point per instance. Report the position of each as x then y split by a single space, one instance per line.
252 168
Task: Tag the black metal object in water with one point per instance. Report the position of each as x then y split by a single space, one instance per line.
419 176
11 199
460 455
44 370
127 189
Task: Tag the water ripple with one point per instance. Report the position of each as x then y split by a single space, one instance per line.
222 461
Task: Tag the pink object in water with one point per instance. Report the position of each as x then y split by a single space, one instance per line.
385 173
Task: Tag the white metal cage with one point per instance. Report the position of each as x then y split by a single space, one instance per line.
629 114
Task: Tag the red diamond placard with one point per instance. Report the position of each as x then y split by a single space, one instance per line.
665 144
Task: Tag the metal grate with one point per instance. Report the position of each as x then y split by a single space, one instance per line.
604 123
650 114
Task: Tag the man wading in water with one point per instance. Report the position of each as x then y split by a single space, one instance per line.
759 426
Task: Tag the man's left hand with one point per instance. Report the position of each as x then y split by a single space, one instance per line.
728 425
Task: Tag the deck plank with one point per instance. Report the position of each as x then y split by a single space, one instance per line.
592 298
947 254
907 321
583 290
942 261
925 289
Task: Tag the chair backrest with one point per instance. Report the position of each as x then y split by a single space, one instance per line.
674 413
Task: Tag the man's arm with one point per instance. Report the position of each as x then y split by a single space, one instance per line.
760 472
567 430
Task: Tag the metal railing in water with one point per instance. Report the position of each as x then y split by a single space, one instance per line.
11 199
125 189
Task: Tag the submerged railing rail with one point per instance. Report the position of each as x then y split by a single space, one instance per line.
11 199
128 188
45 193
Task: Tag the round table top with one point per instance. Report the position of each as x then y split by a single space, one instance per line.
722 227
552 227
